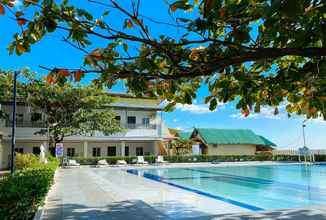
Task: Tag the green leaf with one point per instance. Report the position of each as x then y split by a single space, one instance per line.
125 47
213 104
170 107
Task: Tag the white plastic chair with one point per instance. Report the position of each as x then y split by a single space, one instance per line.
73 163
121 162
140 160
160 159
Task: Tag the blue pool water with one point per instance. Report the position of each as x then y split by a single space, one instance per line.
251 187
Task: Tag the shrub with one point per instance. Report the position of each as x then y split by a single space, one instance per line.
199 158
22 193
23 161
178 158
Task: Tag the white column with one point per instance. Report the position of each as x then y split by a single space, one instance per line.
122 148
46 146
85 148
156 148
1 157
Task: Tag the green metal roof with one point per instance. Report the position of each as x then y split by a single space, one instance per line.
231 136
266 141
184 135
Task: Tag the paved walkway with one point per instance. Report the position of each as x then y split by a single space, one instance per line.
76 195
108 193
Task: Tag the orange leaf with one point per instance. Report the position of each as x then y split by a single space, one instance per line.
246 113
129 23
64 72
20 48
50 79
78 75
173 7
2 10
21 21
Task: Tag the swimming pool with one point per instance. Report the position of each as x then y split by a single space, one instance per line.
255 188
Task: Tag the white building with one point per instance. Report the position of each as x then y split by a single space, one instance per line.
144 132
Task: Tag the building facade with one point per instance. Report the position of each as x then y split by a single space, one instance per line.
144 132
225 142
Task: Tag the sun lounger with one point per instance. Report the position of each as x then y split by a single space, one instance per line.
140 160
216 162
160 159
102 163
72 163
121 162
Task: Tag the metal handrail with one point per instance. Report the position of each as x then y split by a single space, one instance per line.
139 126
41 124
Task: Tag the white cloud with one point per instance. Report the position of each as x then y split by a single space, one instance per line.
268 113
319 120
193 108
196 108
265 113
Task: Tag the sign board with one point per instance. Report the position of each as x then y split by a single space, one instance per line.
304 151
59 150
195 149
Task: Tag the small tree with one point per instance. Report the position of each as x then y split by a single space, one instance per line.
72 110
182 147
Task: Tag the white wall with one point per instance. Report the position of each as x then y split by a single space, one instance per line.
234 149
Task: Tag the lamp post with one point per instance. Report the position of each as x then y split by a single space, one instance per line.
303 132
13 131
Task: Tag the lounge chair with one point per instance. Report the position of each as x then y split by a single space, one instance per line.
140 160
160 159
216 162
121 162
102 163
72 163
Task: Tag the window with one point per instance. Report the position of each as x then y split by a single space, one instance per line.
35 116
96 151
146 121
71 152
118 118
214 145
19 150
36 150
131 121
112 151
127 151
139 151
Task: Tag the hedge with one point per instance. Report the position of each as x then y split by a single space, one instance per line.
22 193
198 158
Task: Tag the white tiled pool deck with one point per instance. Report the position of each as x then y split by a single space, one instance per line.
112 193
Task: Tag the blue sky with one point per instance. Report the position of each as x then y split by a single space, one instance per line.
51 51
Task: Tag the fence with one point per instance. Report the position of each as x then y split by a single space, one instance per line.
296 152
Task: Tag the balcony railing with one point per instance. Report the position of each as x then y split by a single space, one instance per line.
139 126
31 124
27 124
